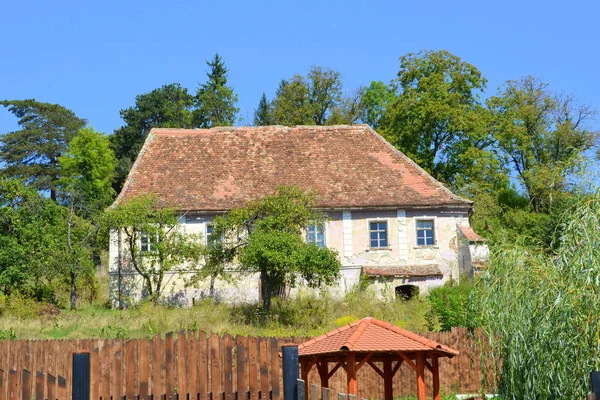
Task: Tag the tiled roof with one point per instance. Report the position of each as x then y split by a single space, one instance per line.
470 234
371 335
403 270
224 168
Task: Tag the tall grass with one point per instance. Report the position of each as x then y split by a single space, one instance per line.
307 314
542 311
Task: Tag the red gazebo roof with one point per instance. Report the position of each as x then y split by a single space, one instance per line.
371 335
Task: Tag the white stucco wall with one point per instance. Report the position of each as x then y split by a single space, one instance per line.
346 232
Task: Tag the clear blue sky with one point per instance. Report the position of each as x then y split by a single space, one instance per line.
96 56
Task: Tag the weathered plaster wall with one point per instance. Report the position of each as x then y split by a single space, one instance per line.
347 232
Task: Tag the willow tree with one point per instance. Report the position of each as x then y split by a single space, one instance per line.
540 311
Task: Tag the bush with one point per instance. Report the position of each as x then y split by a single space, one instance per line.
450 307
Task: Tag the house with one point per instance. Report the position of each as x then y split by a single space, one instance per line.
388 219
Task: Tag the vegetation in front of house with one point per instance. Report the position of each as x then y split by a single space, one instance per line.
307 314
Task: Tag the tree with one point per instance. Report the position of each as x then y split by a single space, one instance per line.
541 136
375 100
85 189
291 105
265 238
215 101
437 115
30 241
540 310
31 153
309 100
262 115
153 242
169 106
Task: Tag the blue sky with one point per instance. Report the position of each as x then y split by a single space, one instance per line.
96 56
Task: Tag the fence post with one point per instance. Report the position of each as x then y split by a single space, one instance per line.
290 372
81 376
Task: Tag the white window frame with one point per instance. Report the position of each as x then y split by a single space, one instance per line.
387 231
431 219
324 225
151 245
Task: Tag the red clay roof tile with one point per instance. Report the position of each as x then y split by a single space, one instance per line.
470 234
403 270
224 168
371 335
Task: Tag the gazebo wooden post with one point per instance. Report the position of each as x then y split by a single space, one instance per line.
304 364
435 369
351 373
387 380
323 373
421 376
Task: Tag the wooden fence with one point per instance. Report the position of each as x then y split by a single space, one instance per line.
201 364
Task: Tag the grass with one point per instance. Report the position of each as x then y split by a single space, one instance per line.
305 315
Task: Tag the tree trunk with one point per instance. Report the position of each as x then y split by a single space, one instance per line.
211 289
266 292
73 290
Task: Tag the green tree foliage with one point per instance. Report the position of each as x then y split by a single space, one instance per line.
437 115
540 310
375 100
30 240
169 106
144 219
266 237
31 153
309 100
262 115
541 136
87 170
215 100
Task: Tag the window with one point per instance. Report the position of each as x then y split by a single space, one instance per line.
209 235
147 242
425 234
378 234
315 233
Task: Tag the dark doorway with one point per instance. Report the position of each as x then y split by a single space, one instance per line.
407 292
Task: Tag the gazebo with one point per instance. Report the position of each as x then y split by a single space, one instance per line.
369 341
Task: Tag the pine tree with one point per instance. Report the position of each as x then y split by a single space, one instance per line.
31 153
215 101
262 115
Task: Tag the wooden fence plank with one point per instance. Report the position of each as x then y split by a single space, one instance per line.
13 384
94 370
116 386
26 383
203 386
62 388
215 364
168 364
253 367
192 364
51 384
157 357
181 363
264 367
39 385
143 362
241 343
275 369
130 363
227 350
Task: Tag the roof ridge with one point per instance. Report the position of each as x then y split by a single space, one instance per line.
362 327
327 334
413 336
191 131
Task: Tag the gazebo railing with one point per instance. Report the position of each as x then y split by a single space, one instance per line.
324 395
